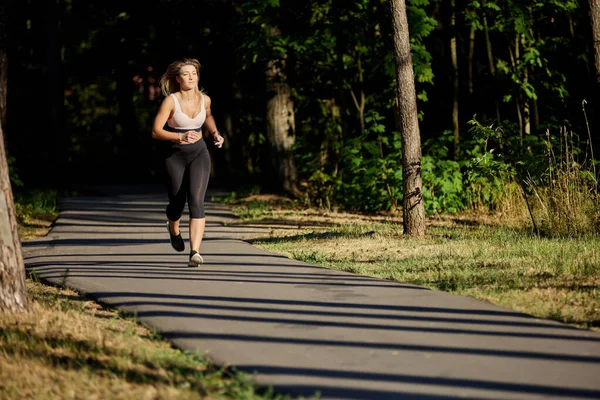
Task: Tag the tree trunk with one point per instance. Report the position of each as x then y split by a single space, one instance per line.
526 102
536 114
413 207
340 48
594 96
53 136
488 45
5 11
281 130
455 84
471 55
3 82
13 292
360 104
595 21
514 61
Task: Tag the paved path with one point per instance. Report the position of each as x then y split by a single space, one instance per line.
303 328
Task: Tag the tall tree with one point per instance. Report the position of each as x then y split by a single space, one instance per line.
455 85
595 20
13 292
281 127
3 59
267 42
413 207
55 95
491 63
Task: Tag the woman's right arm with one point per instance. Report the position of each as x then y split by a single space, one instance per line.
160 120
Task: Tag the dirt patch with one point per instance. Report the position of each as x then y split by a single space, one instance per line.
271 199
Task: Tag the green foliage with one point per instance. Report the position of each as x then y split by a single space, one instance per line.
88 105
421 25
529 49
373 168
34 203
558 180
340 65
372 172
335 58
262 40
487 170
13 172
442 186
253 210
442 177
321 189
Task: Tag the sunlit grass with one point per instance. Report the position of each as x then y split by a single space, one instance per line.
68 346
556 278
35 212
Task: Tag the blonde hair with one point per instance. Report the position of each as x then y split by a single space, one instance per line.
168 82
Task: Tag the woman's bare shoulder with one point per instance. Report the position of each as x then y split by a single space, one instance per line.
168 101
206 100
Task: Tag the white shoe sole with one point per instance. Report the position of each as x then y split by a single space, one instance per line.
196 260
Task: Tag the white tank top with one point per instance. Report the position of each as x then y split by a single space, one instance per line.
180 120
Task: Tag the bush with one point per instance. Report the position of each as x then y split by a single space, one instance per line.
564 200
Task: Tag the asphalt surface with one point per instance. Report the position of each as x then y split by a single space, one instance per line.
301 328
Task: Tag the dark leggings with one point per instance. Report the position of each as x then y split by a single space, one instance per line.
188 171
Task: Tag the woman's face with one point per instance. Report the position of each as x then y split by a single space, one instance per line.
188 77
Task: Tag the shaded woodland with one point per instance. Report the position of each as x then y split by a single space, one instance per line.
304 94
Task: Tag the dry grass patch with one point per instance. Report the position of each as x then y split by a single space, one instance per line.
579 308
70 347
32 227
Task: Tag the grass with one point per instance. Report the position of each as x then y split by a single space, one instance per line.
564 201
472 255
70 347
36 211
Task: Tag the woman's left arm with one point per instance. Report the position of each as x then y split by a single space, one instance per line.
211 124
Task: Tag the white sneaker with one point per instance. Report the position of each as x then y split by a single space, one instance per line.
195 260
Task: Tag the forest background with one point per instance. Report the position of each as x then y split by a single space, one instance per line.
305 91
